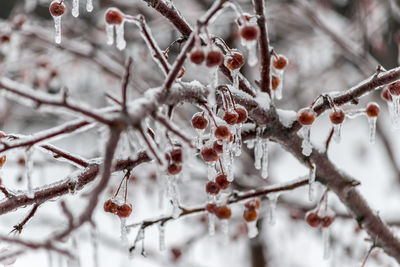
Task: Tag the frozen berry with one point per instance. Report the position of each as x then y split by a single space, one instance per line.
394 88
313 219
114 16
274 82
209 154
253 204
223 212
222 181
306 116
250 215
372 110
2 160
214 58
176 155
222 132
174 168
249 32
210 207
280 62
234 60
197 56
57 8
212 188
230 117
110 206
242 112
124 210
218 147
327 221
199 121
385 95
337 116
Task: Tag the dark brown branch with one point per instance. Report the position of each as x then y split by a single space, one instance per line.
125 83
21 225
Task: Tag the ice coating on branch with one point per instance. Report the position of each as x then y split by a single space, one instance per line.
75 8
271 205
287 117
263 100
311 182
120 38
252 230
161 236
372 129
305 133
57 25
89 5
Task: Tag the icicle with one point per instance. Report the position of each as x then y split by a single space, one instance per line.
272 200
305 132
120 39
264 165
372 129
250 144
95 244
396 105
211 224
124 233
394 120
57 25
326 240
89 5
252 57
238 140
252 230
235 78
161 231
110 33
311 182
211 173
49 258
258 150
337 129
173 195
75 8
28 172
225 231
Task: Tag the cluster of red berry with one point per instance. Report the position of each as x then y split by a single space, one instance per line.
122 211
222 212
279 62
248 30
250 213
174 159
221 183
320 217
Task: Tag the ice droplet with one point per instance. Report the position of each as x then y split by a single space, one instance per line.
264 165
75 8
161 237
252 57
89 5
211 224
337 132
311 182
252 230
120 39
57 25
372 129
110 33
326 240
272 200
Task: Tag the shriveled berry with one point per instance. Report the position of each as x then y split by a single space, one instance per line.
208 154
253 204
327 221
199 121
280 62
223 212
250 215
385 95
197 56
57 8
274 82
210 207
110 206
222 181
174 168
222 132
218 147
124 211
214 58
372 110
212 188
2 160
114 16
306 116
337 116
234 61
176 155
394 88
249 32
230 117
176 254
313 219
242 112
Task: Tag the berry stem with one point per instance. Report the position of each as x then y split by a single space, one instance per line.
220 164
211 115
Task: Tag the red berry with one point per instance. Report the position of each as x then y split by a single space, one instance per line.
385 95
174 168
218 147
199 121
313 219
280 62
242 112
230 117
176 155
210 207
212 188
274 82
57 9
394 88
110 206
222 132
249 32
214 58
234 60
372 110
197 56
223 212
254 204
209 154
306 116
114 16
2 160
327 221
337 116
222 181
124 210
250 215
